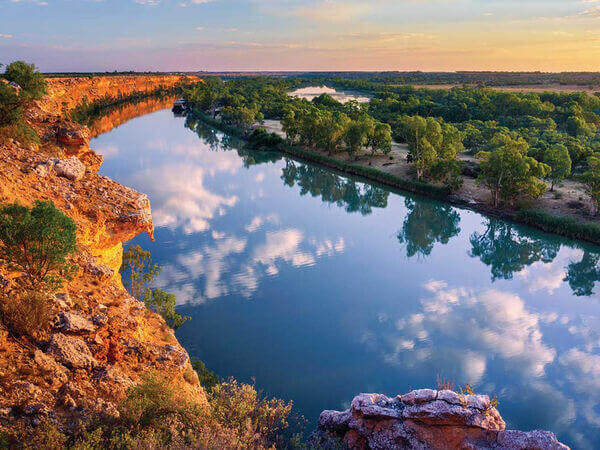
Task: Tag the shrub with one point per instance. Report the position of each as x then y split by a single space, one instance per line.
208 379
37 242
27 314
163 303
255 420
141 271
565 226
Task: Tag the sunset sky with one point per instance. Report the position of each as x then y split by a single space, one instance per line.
429 35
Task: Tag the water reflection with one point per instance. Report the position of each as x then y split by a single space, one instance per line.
582 276
427 224
287 283
507 250
333 188
309 93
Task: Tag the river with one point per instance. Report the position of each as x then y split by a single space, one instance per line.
320 286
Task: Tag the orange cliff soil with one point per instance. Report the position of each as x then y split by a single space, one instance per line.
102 340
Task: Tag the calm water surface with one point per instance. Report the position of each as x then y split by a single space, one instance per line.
341 96
321 287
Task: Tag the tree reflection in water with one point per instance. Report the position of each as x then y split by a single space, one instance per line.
506 250
332 188
582 276
503 246
426 224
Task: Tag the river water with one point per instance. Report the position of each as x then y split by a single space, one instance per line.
320 286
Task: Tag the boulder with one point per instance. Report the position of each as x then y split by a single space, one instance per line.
72 351
428 419
532 440
72 322
72 135
71 168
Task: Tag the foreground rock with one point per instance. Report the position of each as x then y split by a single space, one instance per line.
428 419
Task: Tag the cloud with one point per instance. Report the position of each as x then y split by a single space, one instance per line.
491 324
181 200
5 36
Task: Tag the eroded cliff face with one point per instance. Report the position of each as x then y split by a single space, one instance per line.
102 340
67 93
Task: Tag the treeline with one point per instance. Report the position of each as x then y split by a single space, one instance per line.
584 79
323 123
522 140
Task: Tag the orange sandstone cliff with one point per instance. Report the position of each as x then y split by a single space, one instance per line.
102 340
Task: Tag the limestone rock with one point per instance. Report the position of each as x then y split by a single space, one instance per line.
532 440
71 351
73 322
71 168
428 419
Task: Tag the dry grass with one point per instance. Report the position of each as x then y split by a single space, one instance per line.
26 314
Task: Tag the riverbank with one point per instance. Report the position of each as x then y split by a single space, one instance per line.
559 212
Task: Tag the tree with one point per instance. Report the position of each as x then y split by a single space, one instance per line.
557 157
163 303
32 82
37 242
11 106
423 135
331 129
290 125
141 271
379 138
356 134
508 172
591 179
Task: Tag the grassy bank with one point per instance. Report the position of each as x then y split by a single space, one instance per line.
569 227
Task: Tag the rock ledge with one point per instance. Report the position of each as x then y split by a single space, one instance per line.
429 419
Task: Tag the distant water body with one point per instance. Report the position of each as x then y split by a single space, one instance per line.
341 96
322 286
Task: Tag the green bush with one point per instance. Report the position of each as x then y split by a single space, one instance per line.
208 379
163 303
37 242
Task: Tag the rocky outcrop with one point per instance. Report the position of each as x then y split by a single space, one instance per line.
428 419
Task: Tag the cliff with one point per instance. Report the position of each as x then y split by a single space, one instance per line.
102 340
67 93
428 419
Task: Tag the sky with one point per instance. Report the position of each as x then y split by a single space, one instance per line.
214 35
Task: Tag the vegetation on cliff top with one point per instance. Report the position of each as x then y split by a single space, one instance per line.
20 84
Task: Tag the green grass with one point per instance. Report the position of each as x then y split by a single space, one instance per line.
565 226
